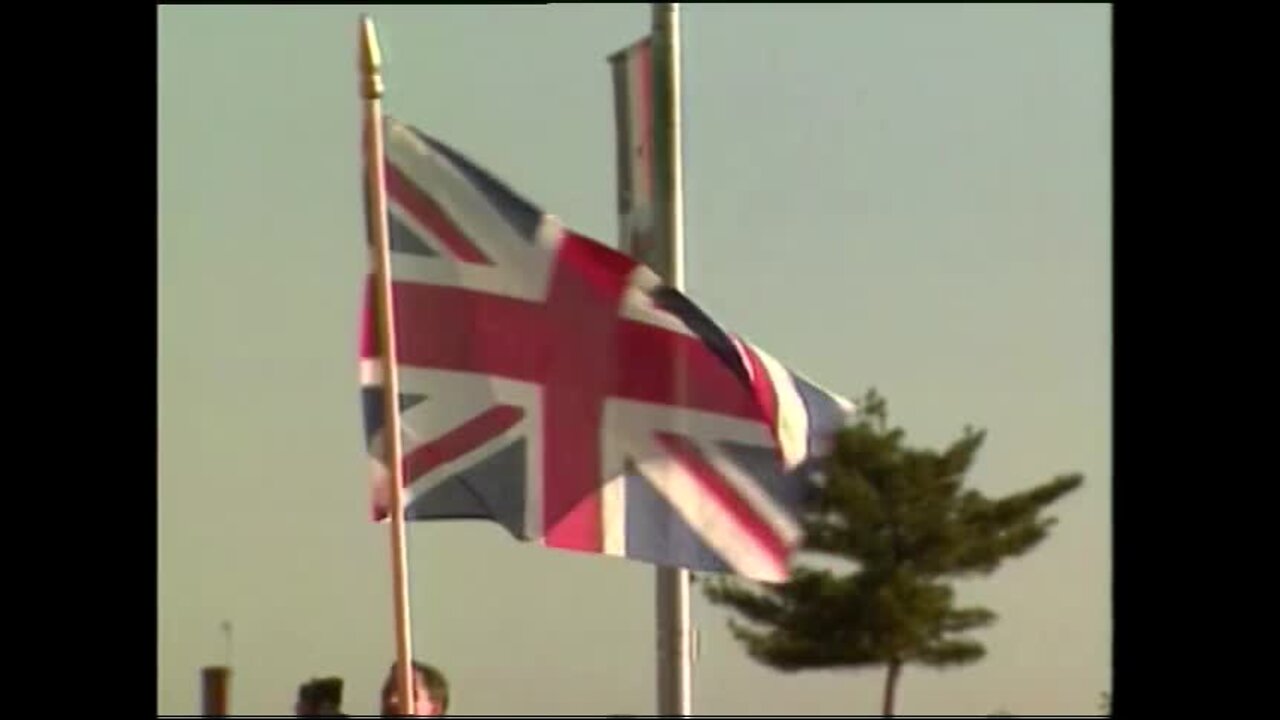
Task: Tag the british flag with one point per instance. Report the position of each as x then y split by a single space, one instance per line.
557 387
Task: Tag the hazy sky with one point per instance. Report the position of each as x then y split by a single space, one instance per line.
915 198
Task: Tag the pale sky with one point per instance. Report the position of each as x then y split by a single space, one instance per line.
910 197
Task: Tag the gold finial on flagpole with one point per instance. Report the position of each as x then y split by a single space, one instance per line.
370 60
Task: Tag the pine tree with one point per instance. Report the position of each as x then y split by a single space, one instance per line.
904 517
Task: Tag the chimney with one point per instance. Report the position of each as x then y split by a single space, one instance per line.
216 691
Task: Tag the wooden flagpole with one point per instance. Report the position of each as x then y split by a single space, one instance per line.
371 89
675 657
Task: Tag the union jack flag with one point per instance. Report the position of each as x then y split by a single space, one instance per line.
557 387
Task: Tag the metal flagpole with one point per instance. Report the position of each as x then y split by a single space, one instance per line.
371 89
674 671
646 81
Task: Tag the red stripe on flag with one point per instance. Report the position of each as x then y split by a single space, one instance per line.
429 215
761 382
659 366
716 488
462 330
582 305
370 342
461 440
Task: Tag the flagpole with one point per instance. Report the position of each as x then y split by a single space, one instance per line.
674 671
371 89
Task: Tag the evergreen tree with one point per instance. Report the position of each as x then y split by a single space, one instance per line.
904 517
